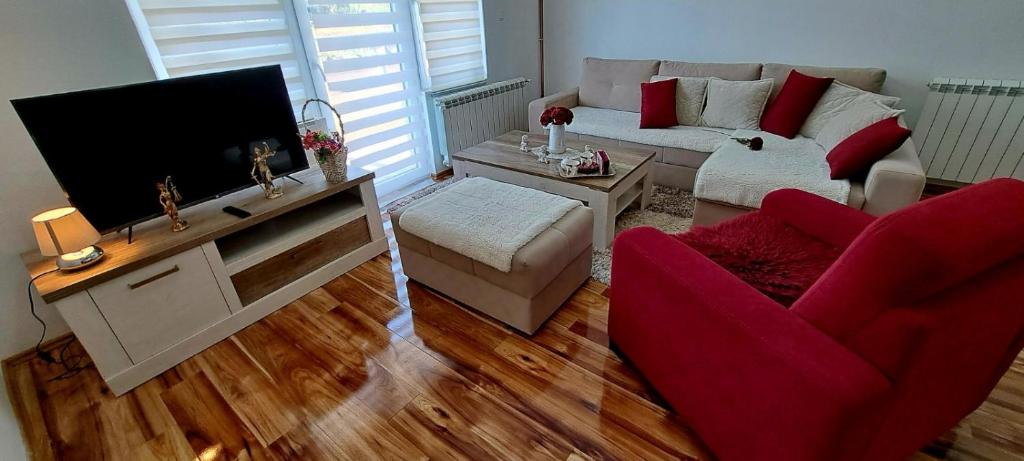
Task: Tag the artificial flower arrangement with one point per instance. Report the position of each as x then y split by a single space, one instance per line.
322 144
555 119
556 115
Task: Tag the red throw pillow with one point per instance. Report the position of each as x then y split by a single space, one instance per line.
795 101
862 149
658 104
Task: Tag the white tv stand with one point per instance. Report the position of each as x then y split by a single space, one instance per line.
151 304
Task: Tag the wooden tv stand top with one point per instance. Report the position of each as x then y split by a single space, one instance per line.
153 239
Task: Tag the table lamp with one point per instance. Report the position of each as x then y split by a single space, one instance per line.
66 234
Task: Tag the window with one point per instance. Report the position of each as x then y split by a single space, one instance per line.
189 37
367 53
451 38
372 59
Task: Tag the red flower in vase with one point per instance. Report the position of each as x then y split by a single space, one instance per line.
556 115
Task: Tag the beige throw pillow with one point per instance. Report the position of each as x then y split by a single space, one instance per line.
736 105
834 101
853 118
690 92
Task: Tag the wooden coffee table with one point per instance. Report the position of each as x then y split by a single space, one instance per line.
500 159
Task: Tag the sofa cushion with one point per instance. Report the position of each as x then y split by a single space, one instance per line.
725 71
683 157
690 93
865 78
858 152
835 101
735 105
614 83
658 104
787 113
624 126
852 119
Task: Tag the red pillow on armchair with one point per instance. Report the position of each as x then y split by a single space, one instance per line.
790 109
857 153
658 104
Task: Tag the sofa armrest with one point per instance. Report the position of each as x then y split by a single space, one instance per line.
753 379
894 182
824 219
569 98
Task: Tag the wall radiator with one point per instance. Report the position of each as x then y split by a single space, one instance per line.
470 117
970 130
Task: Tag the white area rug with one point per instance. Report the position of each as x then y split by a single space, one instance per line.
671 211
487 221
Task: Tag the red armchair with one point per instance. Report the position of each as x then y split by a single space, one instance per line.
916 317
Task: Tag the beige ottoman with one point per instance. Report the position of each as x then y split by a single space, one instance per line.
544 273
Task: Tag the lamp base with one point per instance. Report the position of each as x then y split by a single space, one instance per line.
80 259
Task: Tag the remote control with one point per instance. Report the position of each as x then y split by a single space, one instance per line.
235 211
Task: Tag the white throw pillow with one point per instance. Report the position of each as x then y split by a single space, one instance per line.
853 118
832 103
736 105
690 93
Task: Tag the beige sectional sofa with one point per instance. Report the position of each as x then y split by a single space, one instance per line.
608 99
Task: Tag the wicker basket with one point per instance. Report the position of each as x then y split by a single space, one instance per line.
334 165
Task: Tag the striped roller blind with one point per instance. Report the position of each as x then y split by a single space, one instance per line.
451 39
368 55
189 37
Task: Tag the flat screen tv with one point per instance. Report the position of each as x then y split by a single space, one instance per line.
109 147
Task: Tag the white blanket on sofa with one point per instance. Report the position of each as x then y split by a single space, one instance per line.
485 220
736 175
625 126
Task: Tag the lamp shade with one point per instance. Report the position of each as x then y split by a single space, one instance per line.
62 231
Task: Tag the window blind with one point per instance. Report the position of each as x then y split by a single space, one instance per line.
189 37
368 56
451 43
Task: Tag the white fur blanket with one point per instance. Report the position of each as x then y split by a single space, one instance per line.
485 220
737 175
625 126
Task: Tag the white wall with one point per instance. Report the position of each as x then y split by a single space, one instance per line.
512 30
47 46
915 40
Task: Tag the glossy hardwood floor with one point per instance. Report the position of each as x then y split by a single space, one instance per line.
372 366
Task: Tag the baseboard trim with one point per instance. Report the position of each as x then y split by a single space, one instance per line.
30 353
442 175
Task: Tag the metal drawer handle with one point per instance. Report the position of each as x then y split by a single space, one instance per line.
154 278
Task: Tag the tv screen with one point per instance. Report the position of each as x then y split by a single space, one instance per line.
109 147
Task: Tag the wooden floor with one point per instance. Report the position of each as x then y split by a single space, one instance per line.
373 366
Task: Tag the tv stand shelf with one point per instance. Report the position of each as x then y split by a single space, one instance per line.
248 247
166 296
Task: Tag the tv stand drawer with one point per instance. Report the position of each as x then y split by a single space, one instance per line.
162 304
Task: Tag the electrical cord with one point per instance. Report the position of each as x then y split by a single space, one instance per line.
73 364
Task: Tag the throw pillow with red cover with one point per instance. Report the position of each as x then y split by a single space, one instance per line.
658 104
855 154
795 101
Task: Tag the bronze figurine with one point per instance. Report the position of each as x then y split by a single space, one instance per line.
169 198
261 172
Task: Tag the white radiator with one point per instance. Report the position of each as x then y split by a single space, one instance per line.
970 130
470 117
